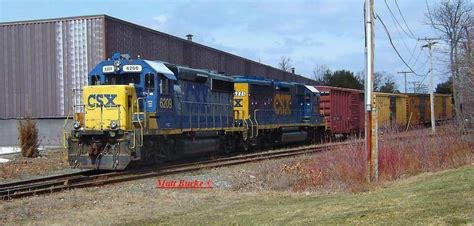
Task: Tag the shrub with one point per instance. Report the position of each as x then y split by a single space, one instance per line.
345 168
28 138
400 154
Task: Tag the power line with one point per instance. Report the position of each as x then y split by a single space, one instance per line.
413 54
393 46
418 57
398 27
404 21
395 19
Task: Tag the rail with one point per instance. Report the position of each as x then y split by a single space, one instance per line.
58 183
96 178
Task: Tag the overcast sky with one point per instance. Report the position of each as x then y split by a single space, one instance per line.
311 33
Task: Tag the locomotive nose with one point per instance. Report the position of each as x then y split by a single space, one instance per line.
104 140
108 107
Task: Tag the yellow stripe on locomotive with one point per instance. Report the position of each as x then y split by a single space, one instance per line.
241 101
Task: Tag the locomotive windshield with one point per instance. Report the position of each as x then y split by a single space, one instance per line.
123 79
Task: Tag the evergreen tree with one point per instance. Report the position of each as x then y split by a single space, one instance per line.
343 79
445 87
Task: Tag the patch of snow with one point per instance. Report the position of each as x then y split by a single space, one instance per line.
2 160
9 150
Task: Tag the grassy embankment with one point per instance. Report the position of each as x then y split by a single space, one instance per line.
429 198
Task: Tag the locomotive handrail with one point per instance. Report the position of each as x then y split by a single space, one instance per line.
256 121
251 125
139 123
72 109
65 134
237 118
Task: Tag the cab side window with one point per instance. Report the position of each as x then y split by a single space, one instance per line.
307 99
95 80
164 86
149 83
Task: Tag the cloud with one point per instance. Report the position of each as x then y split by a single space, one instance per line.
160 19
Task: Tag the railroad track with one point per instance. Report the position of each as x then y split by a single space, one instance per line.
91 178
96 178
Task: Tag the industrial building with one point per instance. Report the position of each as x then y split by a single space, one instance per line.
44 60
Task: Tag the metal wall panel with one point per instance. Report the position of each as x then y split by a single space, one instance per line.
43 61
125 37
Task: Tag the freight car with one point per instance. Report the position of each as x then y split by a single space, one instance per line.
151 111
419 108
391 109
343 110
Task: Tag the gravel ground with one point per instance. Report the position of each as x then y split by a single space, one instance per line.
135 200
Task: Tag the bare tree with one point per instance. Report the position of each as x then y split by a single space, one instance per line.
451 18
378 79
285 64
319 71
466 75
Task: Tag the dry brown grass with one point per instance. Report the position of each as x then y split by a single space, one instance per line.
345 169
28 133
20 167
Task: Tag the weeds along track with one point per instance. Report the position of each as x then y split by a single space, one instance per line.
91 178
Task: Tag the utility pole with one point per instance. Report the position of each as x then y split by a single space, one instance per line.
430 43
415 84
405 74
371 143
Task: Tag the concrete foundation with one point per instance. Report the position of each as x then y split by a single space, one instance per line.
50 132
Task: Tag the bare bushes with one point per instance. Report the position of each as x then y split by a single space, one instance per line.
400 155
29 142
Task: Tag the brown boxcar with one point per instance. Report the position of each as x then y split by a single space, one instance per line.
419 111
391 109
343 109
443 107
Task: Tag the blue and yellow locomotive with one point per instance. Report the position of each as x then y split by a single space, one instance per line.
150 111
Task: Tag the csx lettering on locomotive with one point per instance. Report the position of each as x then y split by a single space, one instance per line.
97 100
281 104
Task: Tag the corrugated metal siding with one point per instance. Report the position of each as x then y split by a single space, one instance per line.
340 118
81 48
391 109
122 36
43 60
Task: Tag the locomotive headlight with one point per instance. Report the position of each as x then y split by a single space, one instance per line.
77 125
113 125
117 65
